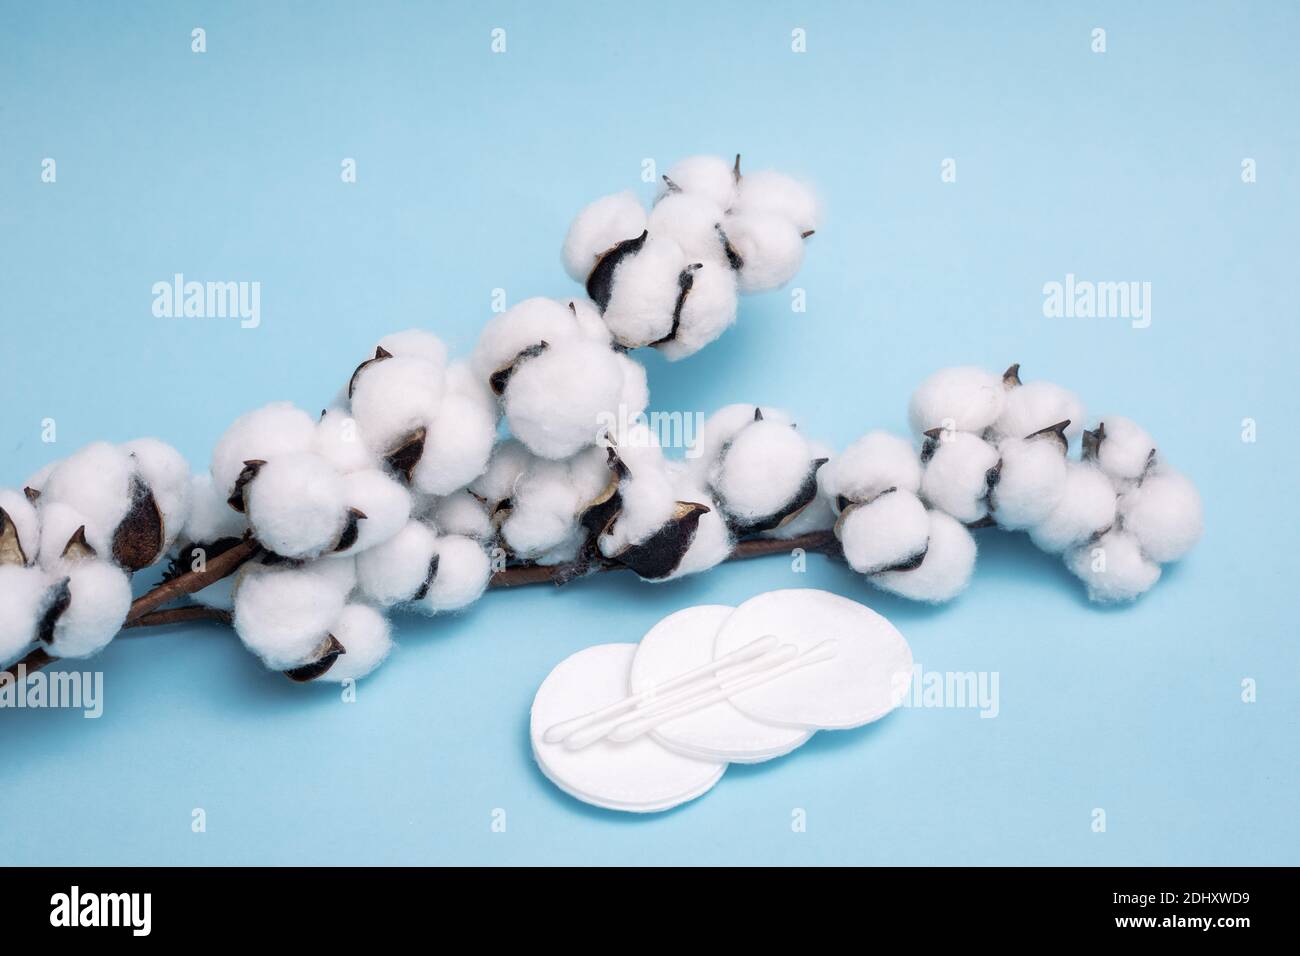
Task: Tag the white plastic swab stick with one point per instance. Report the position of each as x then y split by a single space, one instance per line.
750 651
636 724
589 734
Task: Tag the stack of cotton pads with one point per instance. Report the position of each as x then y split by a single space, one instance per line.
646 727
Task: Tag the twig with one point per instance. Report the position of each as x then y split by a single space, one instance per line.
144 611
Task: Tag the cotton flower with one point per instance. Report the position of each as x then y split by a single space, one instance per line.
29 598
98 597
297 506
1164 514
1030 480
275 429
400 569
1121 448
463 571
1085 510
961 399
283 613
943 572
959 470
1035 406
364 635
889 532
1113 567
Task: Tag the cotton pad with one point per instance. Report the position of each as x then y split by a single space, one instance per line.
638 776
858 685
682 642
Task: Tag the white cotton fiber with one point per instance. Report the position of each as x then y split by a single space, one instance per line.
956 476
770 248
59 523
1037 405
460 513
1164 514
96 481
1125 448
275 429
645 291
510 459
587 319
283 613
1030 482
167 474
101 596
395 397
26 526
708 310
817 515
457 446
713 541
946 569
634 395
526 325
1113 567
36 482
598 228
297 505
548 499
416 343
366 641
1086 508
875 462
692 221
397 570
884 533
338 440
647 498
556 402
721 427
963 399
24 597
771 192
709 177
385 503
211 518
762 471
461 380
464 570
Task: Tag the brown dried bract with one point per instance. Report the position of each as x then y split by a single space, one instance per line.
11 549
658 556
138 541
236 499
380 354
407 454
326 655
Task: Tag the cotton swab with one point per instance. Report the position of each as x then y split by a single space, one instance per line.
588 735
635 724
755 648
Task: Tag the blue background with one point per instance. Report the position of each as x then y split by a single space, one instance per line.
1117 166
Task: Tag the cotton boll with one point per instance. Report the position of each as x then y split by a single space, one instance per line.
711 178
1030 483
960 399
765 473
338 440
888 532
1086 508
590 323
100 597
394 398
20 529
817 515
522 326
693 222
36 482
463 574
713 541
719 428
771 192
547 501
97 482
946 569
770 248
461 380
1164 514
510 459
462 513
1121 447
643 293
275 429
60 524
167 474
647 498
415 343
956 476
297 505
400 568
598 228
708 310
283 613
25 596
1035 406
366 639
385 503
555 402
1113 567
457 446
210 517
875 462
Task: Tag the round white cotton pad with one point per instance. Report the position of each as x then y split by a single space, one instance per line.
682 642
861 683
963 399
639 776
1164 514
